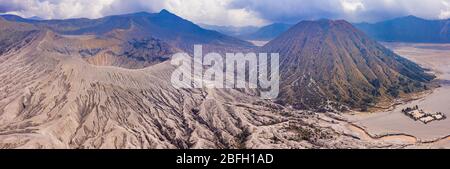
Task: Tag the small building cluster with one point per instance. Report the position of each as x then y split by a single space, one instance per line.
420 115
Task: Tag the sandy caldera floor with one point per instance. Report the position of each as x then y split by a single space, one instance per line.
432 56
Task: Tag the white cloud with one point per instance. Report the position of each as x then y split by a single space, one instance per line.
352 10
445 13
352 5
51 9
213 12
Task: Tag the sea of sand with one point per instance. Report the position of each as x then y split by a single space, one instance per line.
437 58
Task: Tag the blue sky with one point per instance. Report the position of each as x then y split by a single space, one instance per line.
235 12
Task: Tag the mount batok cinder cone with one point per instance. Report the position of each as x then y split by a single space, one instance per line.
328 61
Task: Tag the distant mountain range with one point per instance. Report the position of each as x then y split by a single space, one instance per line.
404 29
326 60
264 33
36 18
408 29
268 32
164 25
231 30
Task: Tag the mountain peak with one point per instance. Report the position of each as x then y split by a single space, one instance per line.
165 12
323 24
412 17
326 22
409 18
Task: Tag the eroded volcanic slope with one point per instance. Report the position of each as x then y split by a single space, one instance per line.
83 90
327 60
51 97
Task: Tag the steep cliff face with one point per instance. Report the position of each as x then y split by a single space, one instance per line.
329 60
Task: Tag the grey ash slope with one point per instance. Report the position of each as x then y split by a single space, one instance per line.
329 60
